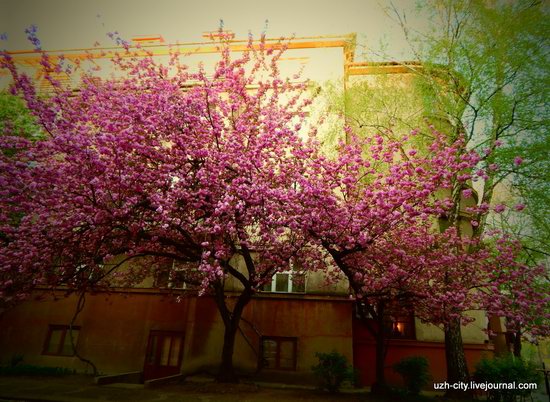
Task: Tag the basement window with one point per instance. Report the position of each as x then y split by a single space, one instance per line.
58 340
278 353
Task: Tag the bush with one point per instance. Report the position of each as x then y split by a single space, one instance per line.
506 369
15 360
332 371
27 369
415 373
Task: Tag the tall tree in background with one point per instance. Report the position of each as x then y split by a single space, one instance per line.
16 119
483 70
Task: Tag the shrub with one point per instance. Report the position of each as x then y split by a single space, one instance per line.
27 369
333 370
15 360
506 369
415 373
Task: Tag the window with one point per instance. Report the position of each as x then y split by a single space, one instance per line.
286 282
174 275
398 321
278 353
58 340
400 326
165 349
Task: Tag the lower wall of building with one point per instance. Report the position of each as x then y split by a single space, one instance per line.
115 328
364 355
434 352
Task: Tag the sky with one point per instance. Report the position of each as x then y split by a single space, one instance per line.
64 24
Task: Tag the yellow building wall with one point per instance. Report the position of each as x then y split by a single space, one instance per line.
471 333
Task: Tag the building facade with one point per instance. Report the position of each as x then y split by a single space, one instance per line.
161 329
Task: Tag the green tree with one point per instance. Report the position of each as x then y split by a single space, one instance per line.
16 119
484 72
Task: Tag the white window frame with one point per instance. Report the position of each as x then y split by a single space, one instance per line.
289 289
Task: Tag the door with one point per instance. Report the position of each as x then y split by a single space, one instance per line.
164 354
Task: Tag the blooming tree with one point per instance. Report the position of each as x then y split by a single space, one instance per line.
159 165
519 292
375 210
371 210
470 274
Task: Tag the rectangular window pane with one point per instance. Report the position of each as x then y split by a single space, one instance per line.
67 346
153 350
269 353
270 347
279 353
281 282
161 279
287 349
399 326
165 353
299 283
175 353
54 341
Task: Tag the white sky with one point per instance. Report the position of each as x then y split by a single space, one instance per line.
64 24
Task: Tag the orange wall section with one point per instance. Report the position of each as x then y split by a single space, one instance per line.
364 355
115 329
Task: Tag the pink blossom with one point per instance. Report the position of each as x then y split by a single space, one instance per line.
499 208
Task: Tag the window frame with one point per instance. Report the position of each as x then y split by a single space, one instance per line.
290 286
64 334
171 281
279 340
408 330
391 321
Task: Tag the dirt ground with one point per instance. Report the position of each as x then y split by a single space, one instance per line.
78 388
251 393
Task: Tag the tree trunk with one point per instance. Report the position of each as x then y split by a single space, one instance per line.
517 344
227 371
457 370
231 320
380 386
